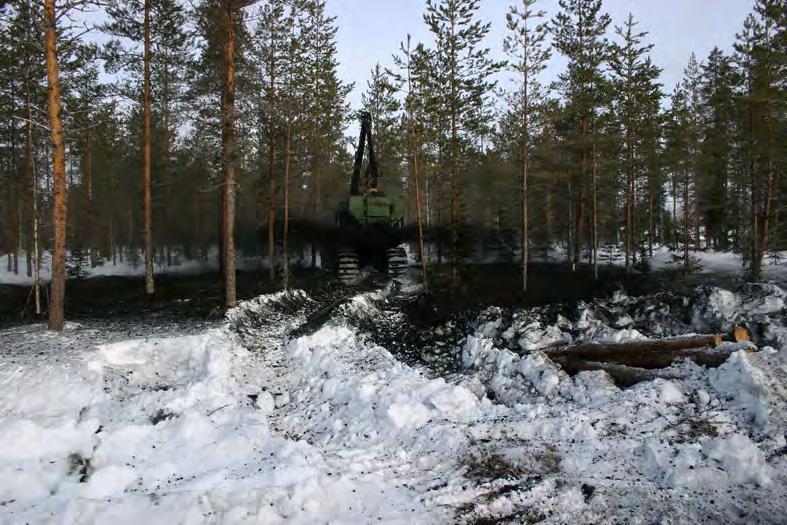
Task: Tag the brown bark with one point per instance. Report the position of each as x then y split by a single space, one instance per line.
651 203
228 160
455 189
623 375
525 146
60 205
416 174
756 259
770 193
271 160
419 217
87 198
686 231
629 195
595 206
675 210
650 354
581 196
146 154
286 219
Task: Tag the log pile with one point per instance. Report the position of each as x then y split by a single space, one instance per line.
635 361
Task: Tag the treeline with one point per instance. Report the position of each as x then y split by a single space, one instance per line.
603 158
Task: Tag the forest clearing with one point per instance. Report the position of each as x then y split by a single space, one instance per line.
426 261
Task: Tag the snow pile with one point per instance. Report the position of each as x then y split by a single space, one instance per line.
166 431
131 265
718 462
252 422
746 385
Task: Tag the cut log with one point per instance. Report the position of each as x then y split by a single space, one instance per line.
740 334
652 354
623 376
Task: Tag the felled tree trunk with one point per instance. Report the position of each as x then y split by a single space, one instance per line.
649 355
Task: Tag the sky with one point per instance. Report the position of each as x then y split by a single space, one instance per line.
370 31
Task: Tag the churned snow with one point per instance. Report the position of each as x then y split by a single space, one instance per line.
243 424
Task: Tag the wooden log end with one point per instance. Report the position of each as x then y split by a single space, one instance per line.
740 334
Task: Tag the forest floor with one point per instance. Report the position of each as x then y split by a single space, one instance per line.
390 406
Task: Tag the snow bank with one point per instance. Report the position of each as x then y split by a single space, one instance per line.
128 267
166 430
746 385
248 423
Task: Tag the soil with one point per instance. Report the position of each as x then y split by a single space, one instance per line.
200 297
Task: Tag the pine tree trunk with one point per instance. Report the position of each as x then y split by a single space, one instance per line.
525 165
271 179
286 218
686 230
33 181
60 209
146 157
455 195
419 216
595 206
18 197
87 198
228 161
629 194
675 211
166 144
770 190
580 211
651 198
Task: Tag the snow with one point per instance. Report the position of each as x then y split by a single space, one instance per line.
134 266
241 423
740 381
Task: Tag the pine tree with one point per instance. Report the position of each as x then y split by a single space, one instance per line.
718 125
170 56
326 109
270 53
761 51
379 99
528 54
679 136
637 95
83 97
294 93
60 208
578 32
465 70
691 85
414 84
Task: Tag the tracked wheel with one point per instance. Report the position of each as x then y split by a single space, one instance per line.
397 261
348 267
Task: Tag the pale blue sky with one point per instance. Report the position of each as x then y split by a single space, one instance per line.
371 30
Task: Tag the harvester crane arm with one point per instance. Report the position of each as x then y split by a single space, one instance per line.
372 170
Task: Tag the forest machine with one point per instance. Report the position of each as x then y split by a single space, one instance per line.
370 223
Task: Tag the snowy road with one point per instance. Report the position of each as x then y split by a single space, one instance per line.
238 424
